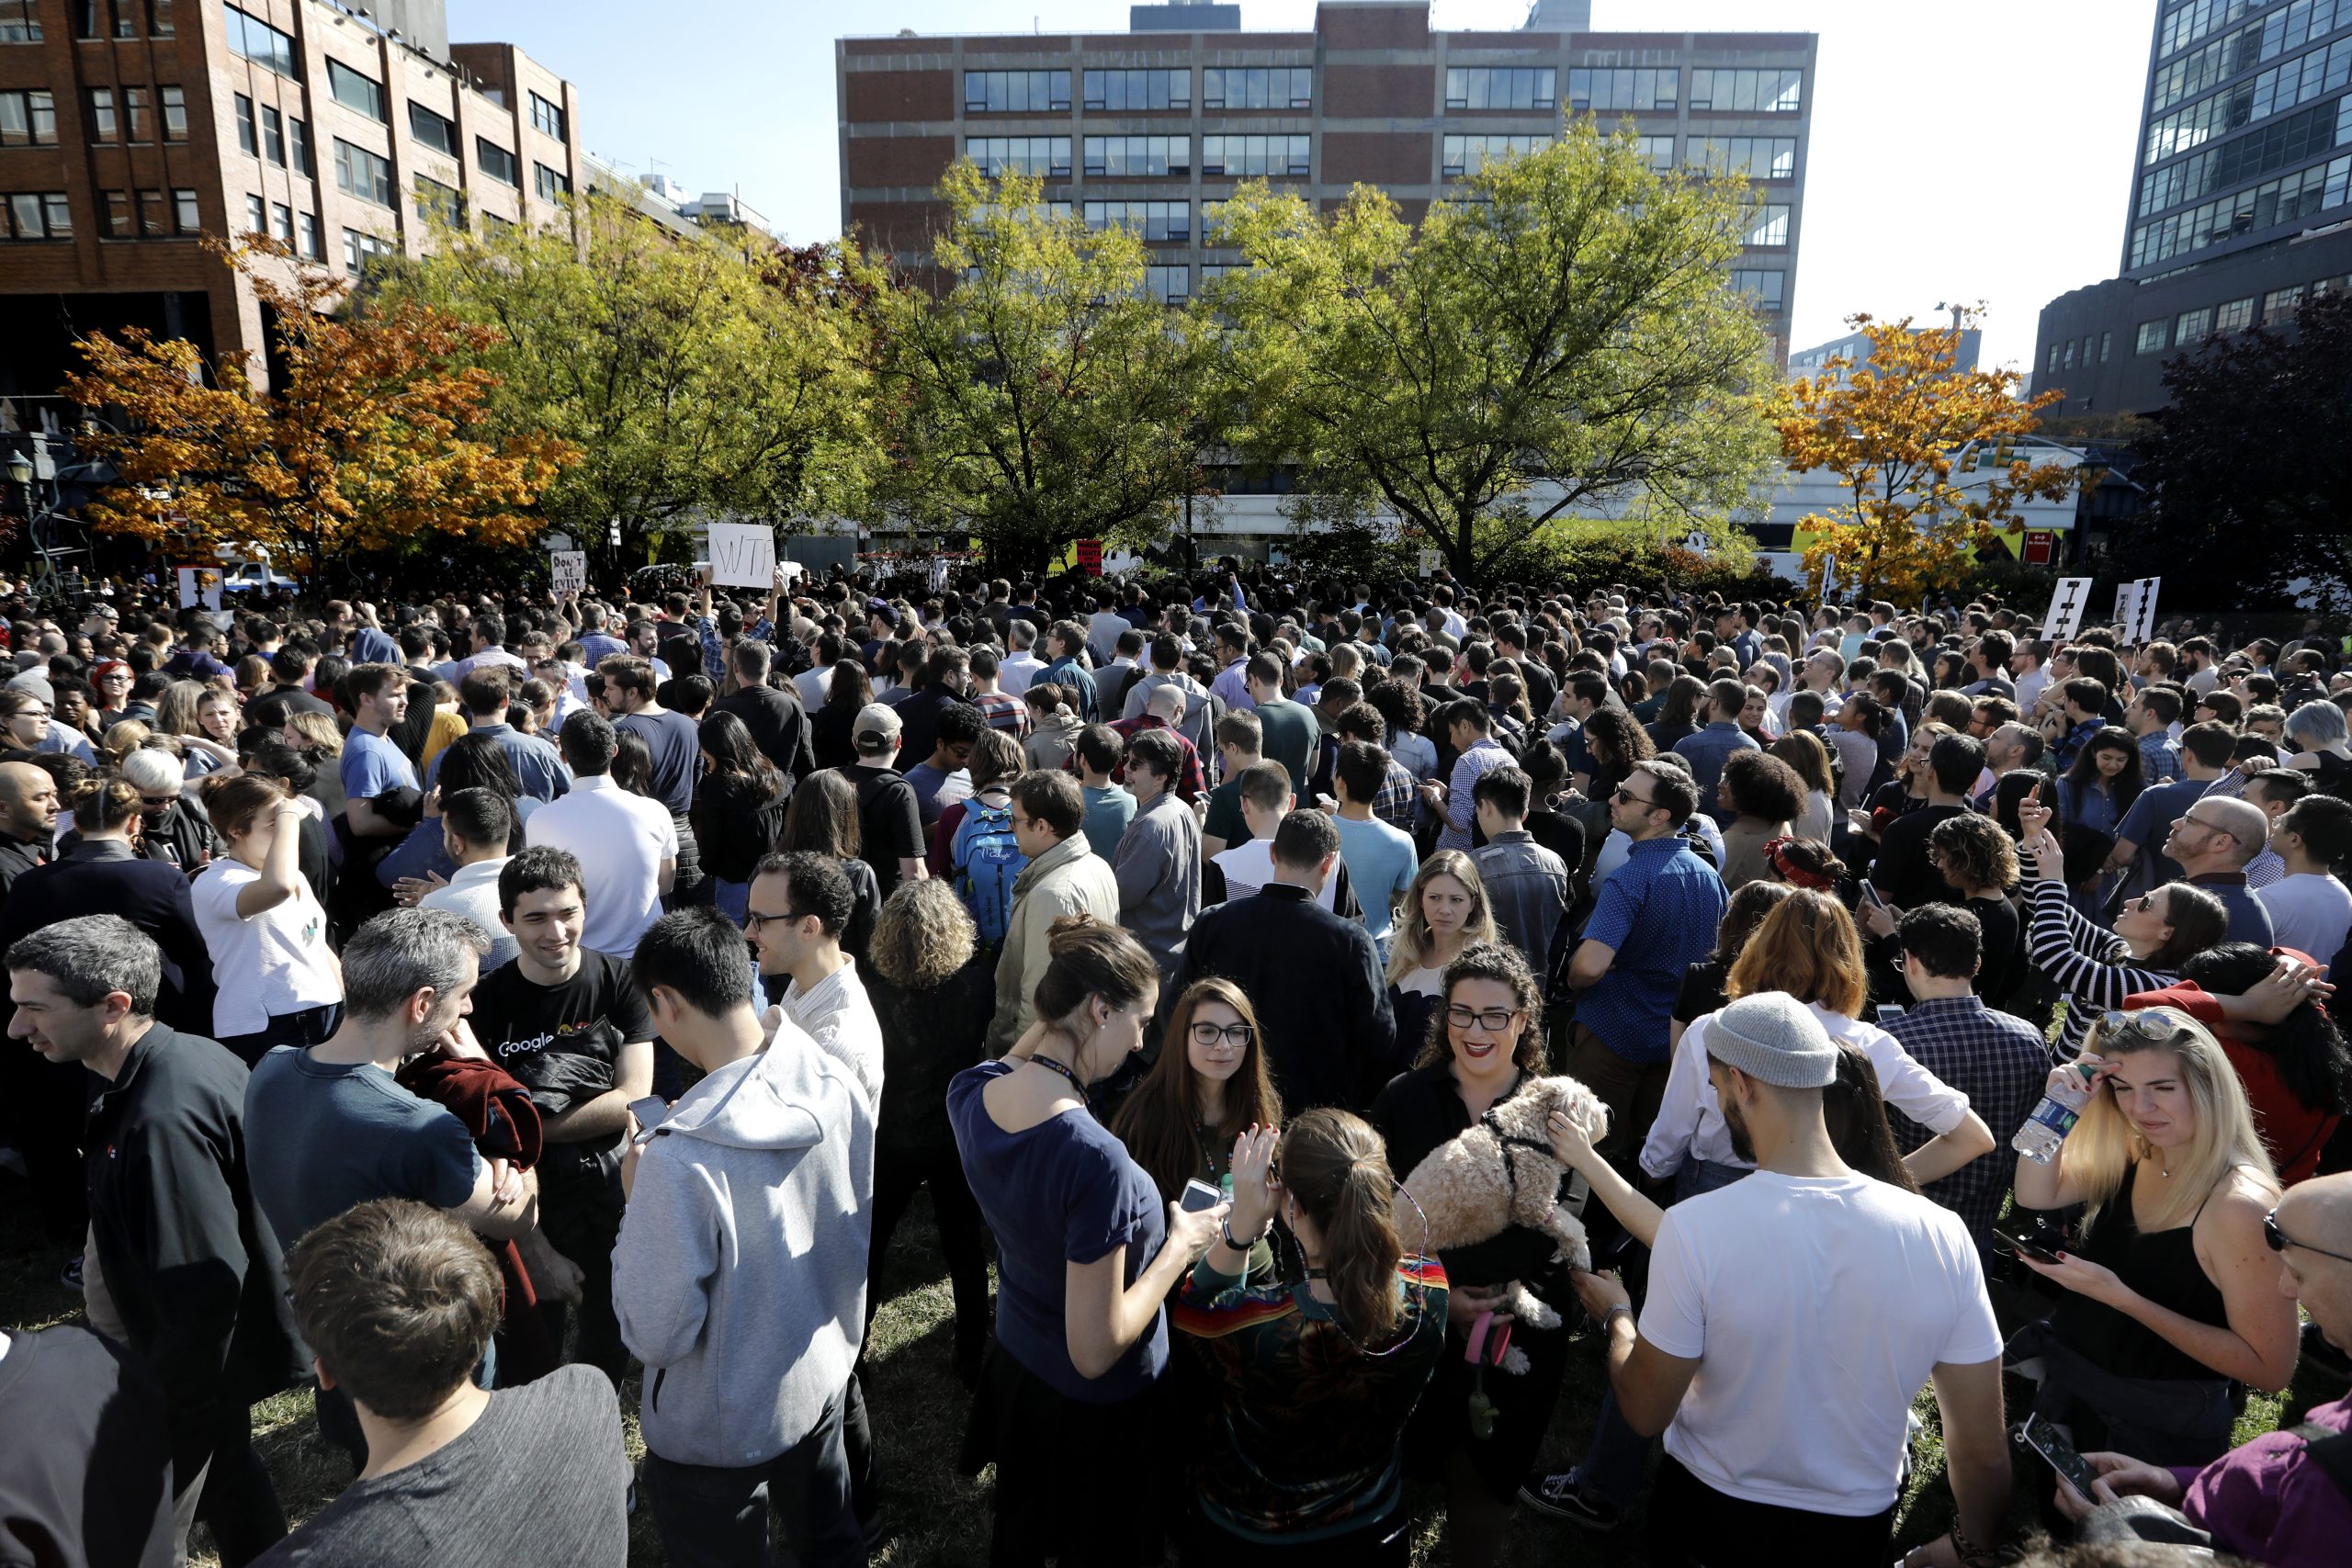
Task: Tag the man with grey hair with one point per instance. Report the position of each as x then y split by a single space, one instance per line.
2212 842
182 1265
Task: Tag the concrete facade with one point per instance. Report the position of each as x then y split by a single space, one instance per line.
228 158
1375 109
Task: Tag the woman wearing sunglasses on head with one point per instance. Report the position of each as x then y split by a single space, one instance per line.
1313 1380
2173 1294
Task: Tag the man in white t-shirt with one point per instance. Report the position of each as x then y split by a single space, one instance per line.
1239 872
1792 1318
626 845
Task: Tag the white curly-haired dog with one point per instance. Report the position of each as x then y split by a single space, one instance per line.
1502 1172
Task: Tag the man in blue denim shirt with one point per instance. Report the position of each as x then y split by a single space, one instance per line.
1655 916
1707 750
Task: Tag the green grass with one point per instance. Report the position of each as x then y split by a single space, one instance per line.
940 1516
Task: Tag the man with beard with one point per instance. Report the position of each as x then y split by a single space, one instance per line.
328 1127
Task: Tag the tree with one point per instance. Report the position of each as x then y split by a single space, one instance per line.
1561 336
1046 396
1895 432
2245 472
371 438
697 377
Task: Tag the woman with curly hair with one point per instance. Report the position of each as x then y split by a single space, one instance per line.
933 990
1615 746
1764 795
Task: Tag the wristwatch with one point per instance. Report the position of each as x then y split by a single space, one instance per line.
1224 1226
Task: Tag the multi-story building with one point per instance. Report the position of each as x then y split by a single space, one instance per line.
2241 197
131 129
1856 347
1153 126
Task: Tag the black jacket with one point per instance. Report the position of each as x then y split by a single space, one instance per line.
187 1254
779 727
19 856
1316 982
105 876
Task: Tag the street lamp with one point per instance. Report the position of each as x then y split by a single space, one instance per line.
20 472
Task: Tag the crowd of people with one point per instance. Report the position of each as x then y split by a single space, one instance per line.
463 1007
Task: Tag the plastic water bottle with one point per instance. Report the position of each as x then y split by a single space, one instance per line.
2055 1117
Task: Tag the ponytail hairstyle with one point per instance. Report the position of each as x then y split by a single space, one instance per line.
123 738
233 802
1091 959
1855 1113
1334 1166
102 804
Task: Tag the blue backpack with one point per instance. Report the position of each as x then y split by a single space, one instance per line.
987 858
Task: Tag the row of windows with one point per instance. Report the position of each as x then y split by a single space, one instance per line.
1752 92
20 19
1759 157
263 132
2283 200
1258 87
256 40
1222 87
2277 308
2104 341
1468 154
1138 155
1015 92
2198 20
1242 157
997 155
2298 81
114 115
1768 228
1768 288
38 215
1150 219
1643 89
1501 87
2289 28
280 222
1132 90
2287 140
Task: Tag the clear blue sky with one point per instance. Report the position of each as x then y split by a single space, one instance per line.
1960 152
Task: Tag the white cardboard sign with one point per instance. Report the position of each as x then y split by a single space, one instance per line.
567 571
743 554
2066 617
199 585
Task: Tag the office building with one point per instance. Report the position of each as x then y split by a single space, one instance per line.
131 129
2240 199
1813 362
1153 126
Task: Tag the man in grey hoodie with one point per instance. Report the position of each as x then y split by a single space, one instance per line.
740 1275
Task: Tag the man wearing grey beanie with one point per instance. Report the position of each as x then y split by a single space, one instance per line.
1792 1319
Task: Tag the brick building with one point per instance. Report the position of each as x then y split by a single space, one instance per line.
1151 126
129 129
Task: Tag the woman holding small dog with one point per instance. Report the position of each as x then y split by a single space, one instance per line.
1480 1430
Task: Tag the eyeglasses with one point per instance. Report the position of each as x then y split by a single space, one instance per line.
1625 797
2280 1241
1494 1020
753 920
1235 1034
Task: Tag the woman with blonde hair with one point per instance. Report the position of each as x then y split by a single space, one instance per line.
2173 1291
202 722
1806 946
1208 1088
1445 912
933 990
1314 1379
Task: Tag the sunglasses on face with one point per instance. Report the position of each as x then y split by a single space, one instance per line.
1627 798
2280 1241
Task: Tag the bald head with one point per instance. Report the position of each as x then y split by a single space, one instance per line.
2315 1220
2247 825
27 800
1166 702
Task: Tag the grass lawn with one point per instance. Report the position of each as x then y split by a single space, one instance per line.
919 1407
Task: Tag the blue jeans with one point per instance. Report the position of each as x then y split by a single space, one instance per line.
716 1518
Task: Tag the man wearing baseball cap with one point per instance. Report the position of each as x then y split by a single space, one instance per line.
889 817
1791 1318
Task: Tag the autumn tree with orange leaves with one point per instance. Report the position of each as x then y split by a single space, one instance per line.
1911 436
369 439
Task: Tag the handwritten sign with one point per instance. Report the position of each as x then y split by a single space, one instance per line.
1089 556
199 585
743 554
2066 617
567 571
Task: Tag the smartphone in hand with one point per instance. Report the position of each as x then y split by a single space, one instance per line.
1199 1195
2037 1433
650 1113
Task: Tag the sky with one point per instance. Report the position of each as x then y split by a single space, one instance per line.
1960 153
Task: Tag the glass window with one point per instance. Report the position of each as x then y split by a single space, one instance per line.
2279 306
359 245
27 119
1767 289
550 186
256 40
2194 326
298 147
2052 368
355 91
1169 285
1659 151
1501 87
139 122
1770 227
1748 92
186 216
273 135
359 171
1258 87
159 19
1468 154
435 200
1238 157
1110 156
88 17
256 216
437 131
2154 337
121 224
548 119
175 104
19 21
1151 219
41 215
154 216
1045 155
1624 89
104 126
497 161
309 242
2066 362
1758 157
2234 317
2291 199
1015 92
281 223
1132 90
2105 345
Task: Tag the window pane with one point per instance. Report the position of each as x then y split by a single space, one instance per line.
273 135
355 91
103 126
547 118
175 103
2153 337
138 120
57 215
551 187
311 246
258 42
434 131
159 19
497 161
184 212
1015 92
298 146
435 200
120 222
155 217
1135 90
359 171
256 217
1770 227
20 21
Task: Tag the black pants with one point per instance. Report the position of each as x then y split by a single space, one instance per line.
235 1497
580 1211
899 1175
305 1028
1694 1526
43 1105
714 1518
